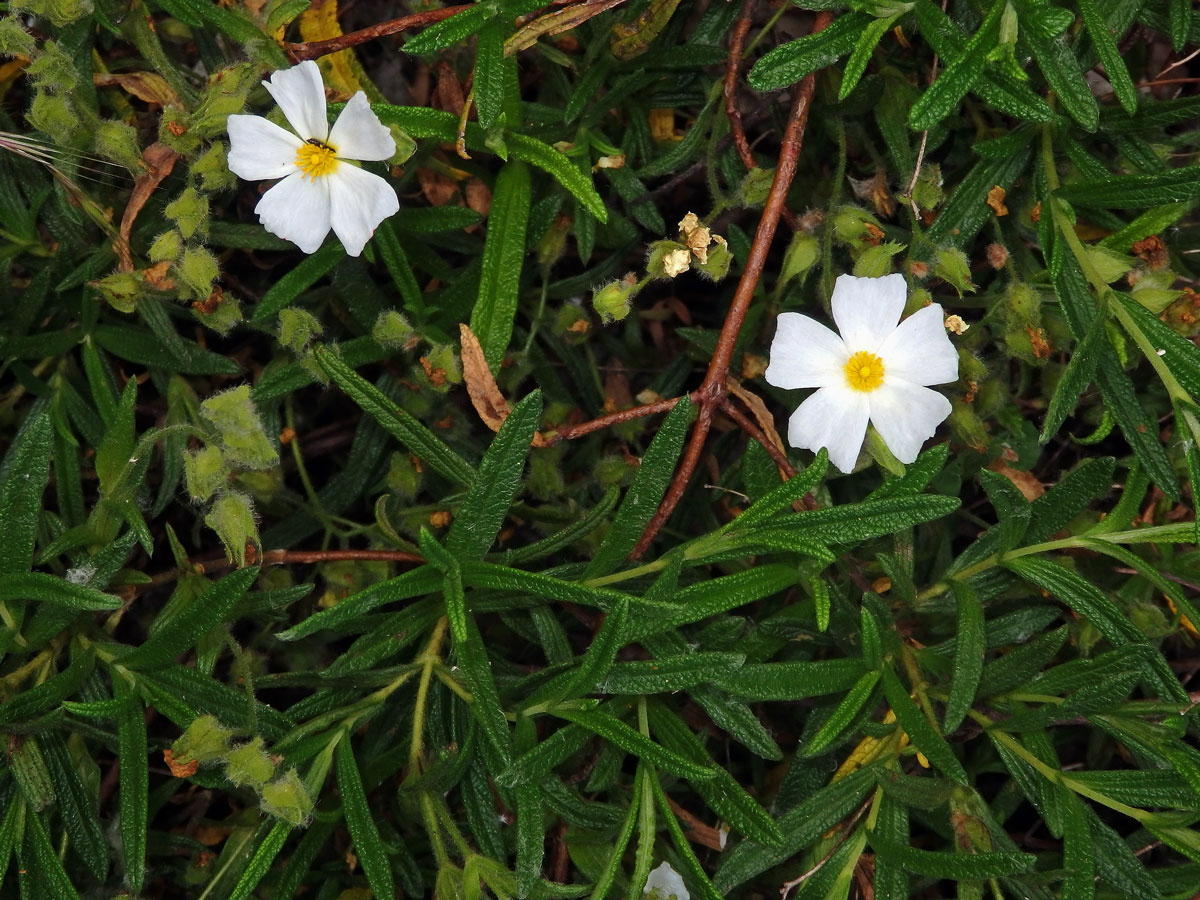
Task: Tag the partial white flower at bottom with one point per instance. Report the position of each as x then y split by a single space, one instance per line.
876 371
664 883
321 187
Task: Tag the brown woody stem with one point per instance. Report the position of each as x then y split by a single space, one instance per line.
313 49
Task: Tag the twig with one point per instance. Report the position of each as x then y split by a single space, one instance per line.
712 389
313 49
737 40
567 432
755 432
293 557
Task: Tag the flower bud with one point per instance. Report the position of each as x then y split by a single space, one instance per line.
1154 290
927 191
52 69
235 420
1183 316
249 765
756 187
404 478
60 12
297 328
263 484
287 798
190 212
14 39
117 141
554 242
122 290
167 247
918 299
801 255
875 262
204 740
175 130
232 518
667 259
613 300
53 115
572 322
967 426
953 267
225 95
212 169
196 271
391 330
204 472
856 227
717 265
219 311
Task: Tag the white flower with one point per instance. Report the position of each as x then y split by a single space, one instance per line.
321 188
875 371
664 883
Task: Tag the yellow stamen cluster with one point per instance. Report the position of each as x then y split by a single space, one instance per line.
315 159
864 371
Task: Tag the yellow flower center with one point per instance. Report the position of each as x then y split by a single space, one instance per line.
316 159
864 371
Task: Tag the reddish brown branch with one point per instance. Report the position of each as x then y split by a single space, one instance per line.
756 433
737 40
567 432
313 49
293 557
712 390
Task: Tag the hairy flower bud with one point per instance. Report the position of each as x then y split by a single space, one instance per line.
392 330
190 212
249 765
287 798
232 518
204 740
121 290
297 328
612 301
235 420
204 472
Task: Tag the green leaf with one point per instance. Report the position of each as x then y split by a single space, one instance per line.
843 715
420 581
531 837
1054 510
861 55
482 512
1179 15
943 96
617 732
474 663
260 863
202 615
669 673
966 208
540 761
601 653
39 856
968 655
77 809
644 494
367 844
789 63
26 471
1110 54
561 168
133 781
51 589
801 826
782 497
309 271
395 421
954 866
852 523
699 878
451 31
920 731
1011 508
1179 354
503 253
49 694
1181 185
183 356
792 680
1062 71
605 882
489 72
1080 371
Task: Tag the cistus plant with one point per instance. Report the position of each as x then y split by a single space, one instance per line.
395 492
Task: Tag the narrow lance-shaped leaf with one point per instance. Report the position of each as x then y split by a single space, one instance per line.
642 498
503 254
485 507
367 844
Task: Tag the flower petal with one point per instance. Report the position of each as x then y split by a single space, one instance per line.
906 415
805 354
919 350
867 309
358 133
259 149
361 200
834 417
301 95
297 210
